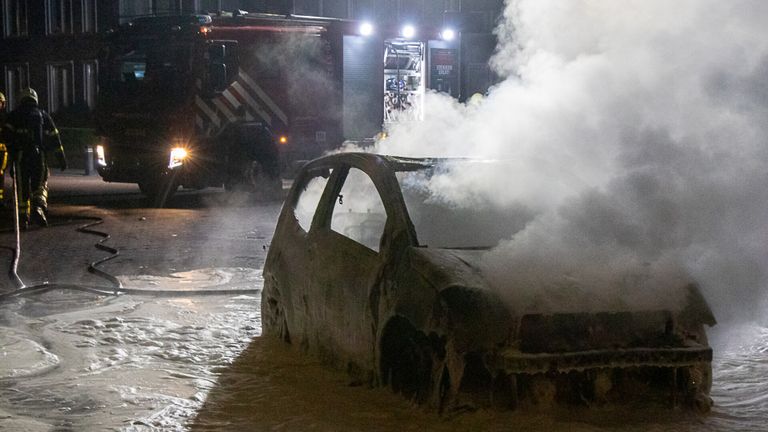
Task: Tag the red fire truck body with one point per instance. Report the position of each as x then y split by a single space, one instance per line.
208 101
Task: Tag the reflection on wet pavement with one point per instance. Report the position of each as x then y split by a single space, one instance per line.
82 362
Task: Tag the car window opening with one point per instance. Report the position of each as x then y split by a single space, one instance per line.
306 205
359 213
456 217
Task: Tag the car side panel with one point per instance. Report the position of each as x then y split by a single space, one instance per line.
344 272
286 278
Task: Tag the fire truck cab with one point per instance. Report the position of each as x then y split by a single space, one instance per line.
198 101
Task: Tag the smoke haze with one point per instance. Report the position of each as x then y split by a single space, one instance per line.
638 134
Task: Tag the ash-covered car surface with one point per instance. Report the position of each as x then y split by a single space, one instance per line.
375 275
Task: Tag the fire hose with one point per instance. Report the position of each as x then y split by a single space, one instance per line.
116 287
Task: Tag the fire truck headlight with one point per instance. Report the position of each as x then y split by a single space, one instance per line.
408 31
100 158
178 154
366 29
448 34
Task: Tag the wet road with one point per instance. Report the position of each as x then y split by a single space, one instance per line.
74 361
78 361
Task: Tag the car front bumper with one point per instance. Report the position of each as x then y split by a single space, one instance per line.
514 361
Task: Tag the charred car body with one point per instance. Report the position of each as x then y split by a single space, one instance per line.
371 274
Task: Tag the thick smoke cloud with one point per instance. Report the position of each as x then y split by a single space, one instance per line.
638 133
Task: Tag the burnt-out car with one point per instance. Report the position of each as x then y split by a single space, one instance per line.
377 277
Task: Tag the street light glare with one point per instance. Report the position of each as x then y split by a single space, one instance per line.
448 34
366 29
409 31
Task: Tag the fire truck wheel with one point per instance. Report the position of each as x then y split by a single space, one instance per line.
146 188
157 191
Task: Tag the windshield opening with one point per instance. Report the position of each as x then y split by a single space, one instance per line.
133 66
456 215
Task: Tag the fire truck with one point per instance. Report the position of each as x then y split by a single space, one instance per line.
233 101
238 99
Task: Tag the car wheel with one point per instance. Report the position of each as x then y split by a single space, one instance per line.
407 359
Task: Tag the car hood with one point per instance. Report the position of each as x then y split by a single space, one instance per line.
446 268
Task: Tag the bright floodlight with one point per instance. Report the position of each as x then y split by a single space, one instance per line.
448 34
178 154
409 31
366 29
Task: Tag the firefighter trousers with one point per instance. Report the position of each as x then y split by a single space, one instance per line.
31 182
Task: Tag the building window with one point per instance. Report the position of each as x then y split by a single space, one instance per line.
59 16
306 7
60 86
165 7
15 18
335 8
412 11
16 78
363 9
88 16
388 11
90 83
211 5
130 9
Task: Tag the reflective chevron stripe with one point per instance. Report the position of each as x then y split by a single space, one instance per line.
263 96
248 99
211 114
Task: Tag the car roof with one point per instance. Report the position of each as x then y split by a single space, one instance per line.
394 163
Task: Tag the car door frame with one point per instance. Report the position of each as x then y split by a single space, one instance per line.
353 349
282 259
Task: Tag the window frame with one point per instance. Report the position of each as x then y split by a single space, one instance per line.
311 175
90 83
20 28
139 8
12 88
89 16
331 201
69 92
63 18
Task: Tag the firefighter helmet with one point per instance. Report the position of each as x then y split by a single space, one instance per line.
28 93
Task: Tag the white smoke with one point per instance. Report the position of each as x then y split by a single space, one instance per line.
640 131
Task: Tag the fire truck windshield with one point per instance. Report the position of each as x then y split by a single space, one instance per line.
158 67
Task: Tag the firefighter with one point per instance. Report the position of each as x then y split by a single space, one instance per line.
30 134
3 151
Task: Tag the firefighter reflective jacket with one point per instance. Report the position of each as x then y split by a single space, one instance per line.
29 133
30 129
